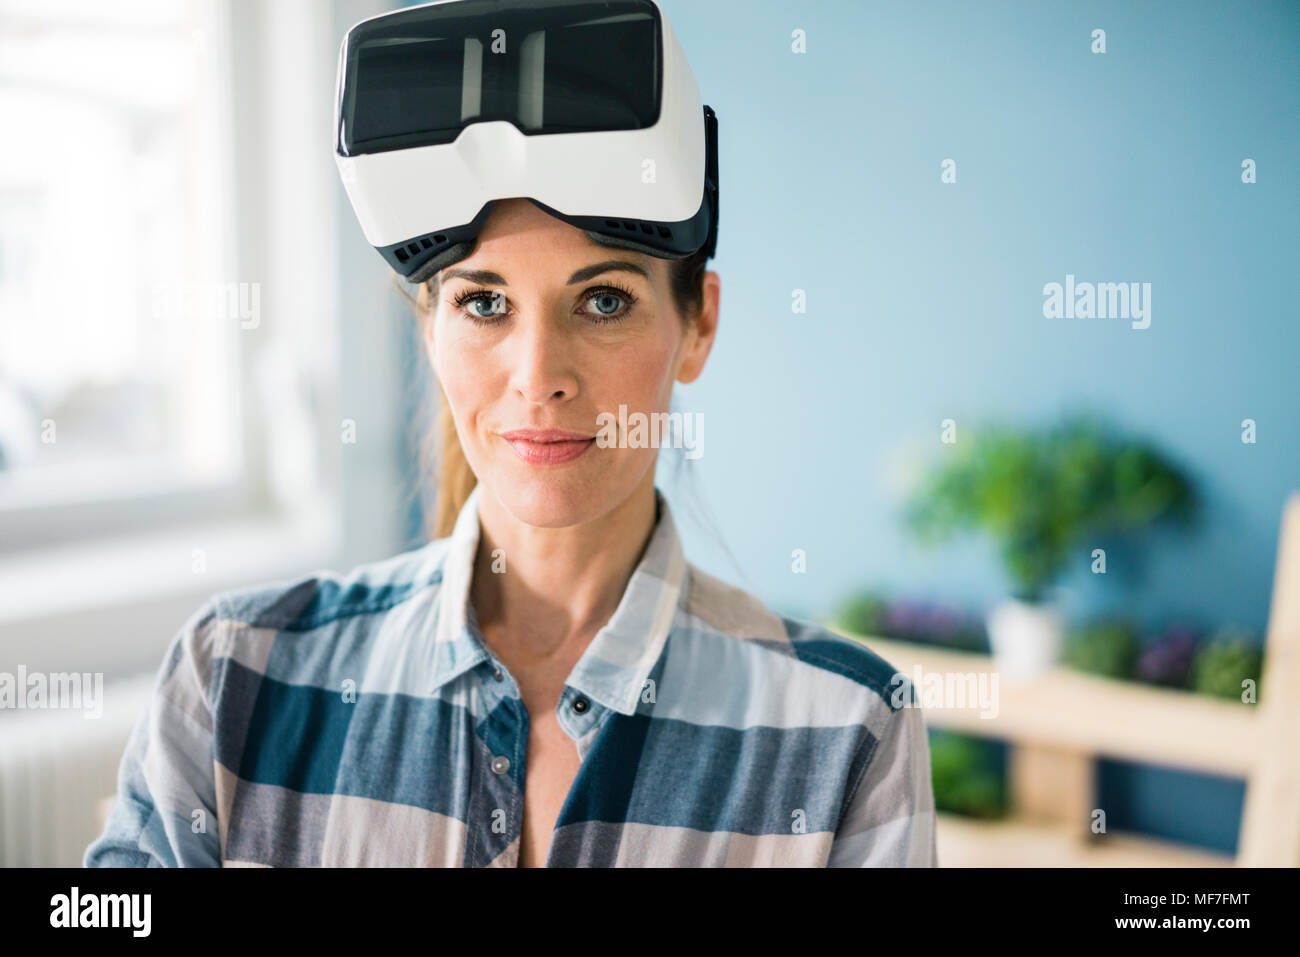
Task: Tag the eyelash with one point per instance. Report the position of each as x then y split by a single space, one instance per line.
624 293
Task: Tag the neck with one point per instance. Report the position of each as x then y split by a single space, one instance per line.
561 585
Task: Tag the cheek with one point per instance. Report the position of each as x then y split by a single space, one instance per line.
464 376
640 377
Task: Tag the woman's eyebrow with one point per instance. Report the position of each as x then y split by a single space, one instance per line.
483 277
609 265
486 277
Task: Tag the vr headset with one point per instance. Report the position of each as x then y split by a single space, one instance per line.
587 109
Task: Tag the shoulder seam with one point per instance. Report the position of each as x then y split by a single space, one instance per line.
839 667
865 678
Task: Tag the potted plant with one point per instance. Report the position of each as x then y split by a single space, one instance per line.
1042 495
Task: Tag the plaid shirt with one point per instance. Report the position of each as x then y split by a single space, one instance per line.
361 720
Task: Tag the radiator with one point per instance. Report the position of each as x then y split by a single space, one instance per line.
56 768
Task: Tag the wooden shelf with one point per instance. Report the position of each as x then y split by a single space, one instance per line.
964 842
1070 711
1057 725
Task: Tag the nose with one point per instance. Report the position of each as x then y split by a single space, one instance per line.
541 360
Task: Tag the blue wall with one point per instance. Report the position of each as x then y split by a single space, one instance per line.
925 300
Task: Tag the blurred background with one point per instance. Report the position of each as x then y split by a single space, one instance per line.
208 379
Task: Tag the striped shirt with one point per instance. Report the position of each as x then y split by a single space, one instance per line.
361 720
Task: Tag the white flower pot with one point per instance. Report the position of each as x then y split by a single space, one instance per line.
1025 638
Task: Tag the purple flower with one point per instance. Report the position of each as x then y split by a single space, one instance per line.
903 619
943 623
1168 660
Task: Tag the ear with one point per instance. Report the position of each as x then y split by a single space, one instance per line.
701 334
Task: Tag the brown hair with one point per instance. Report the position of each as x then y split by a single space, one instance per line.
440 450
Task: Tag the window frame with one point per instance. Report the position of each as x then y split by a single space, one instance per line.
97 593
60 511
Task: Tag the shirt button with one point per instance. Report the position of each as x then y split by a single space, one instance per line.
498 675
581 704
500 764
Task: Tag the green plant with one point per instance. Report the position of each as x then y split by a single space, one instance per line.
1224 662
869 614
963 778
862 614
1107 648
1041 493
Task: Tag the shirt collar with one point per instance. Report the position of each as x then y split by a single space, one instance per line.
616 664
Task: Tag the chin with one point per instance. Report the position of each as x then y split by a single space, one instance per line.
553 501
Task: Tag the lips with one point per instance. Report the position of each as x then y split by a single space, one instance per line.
548 446
546 435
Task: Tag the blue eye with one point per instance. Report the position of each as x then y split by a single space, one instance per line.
481 299
610 301
605 294
606 297
606 300
478 295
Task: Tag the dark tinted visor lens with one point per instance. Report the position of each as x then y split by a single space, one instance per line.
418 78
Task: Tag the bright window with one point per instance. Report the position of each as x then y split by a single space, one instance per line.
120 307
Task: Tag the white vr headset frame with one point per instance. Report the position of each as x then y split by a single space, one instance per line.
653 189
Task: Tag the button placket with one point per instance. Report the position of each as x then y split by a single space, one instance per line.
499 812
497 689
494 683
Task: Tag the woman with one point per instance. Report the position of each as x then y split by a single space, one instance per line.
550 683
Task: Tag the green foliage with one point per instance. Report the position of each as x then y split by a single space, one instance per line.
1040 493
869 613
963 777
863 614
1224 662
1107 648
